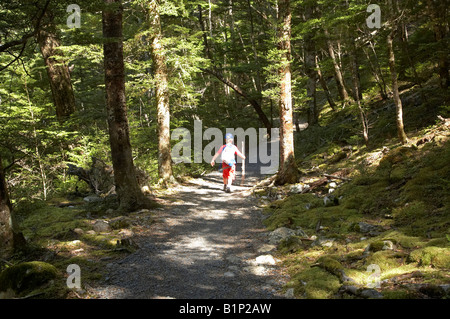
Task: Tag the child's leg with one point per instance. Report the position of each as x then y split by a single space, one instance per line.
231 176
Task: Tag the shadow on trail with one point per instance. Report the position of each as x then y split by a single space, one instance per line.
203 246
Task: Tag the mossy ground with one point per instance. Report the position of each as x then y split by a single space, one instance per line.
401 190
61 232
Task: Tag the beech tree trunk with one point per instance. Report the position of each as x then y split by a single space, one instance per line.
310 64
376 71
162 95
337 71
398 102
57 70
6 229
356 88
324 85
288 171
10 238
128 191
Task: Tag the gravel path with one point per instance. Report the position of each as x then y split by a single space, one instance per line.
204 245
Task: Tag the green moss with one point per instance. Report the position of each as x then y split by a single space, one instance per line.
405 241
27 276
418 218
291 244
385 259
330 264
306 210
431 256
54 222
400 293
377 245
315 283
439 242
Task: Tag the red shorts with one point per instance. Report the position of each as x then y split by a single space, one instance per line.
229 172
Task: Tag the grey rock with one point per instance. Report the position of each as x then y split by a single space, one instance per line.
78 231
279 234
300 232
388 245
298 188
323 242
330 200
367 228
256 270
289 293
229 274
265 260
101 226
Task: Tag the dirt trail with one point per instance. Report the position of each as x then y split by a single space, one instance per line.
204 245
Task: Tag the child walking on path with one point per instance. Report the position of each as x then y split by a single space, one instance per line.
228 151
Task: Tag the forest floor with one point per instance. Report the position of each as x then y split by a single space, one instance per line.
204 243
362 222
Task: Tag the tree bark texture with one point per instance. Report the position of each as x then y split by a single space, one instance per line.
162 94
57 70
356 88
10 238
6 229
128 191
398 102
288 172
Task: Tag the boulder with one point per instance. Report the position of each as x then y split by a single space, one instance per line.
265 260
366 228
100 226
283 233
323 242
26 276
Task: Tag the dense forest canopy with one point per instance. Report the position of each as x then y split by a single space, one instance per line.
90 85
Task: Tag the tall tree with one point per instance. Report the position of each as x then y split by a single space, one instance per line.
128 191
357 91
57 70
162 93
337 69
310 67
6 228
391 55
10 237
288 171
216 71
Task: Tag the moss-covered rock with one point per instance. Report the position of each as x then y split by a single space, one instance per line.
385 259
330 264
290 244
315 283
380 245
27 276
431 256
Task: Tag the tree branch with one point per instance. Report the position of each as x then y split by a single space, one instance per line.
262 116
25 37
